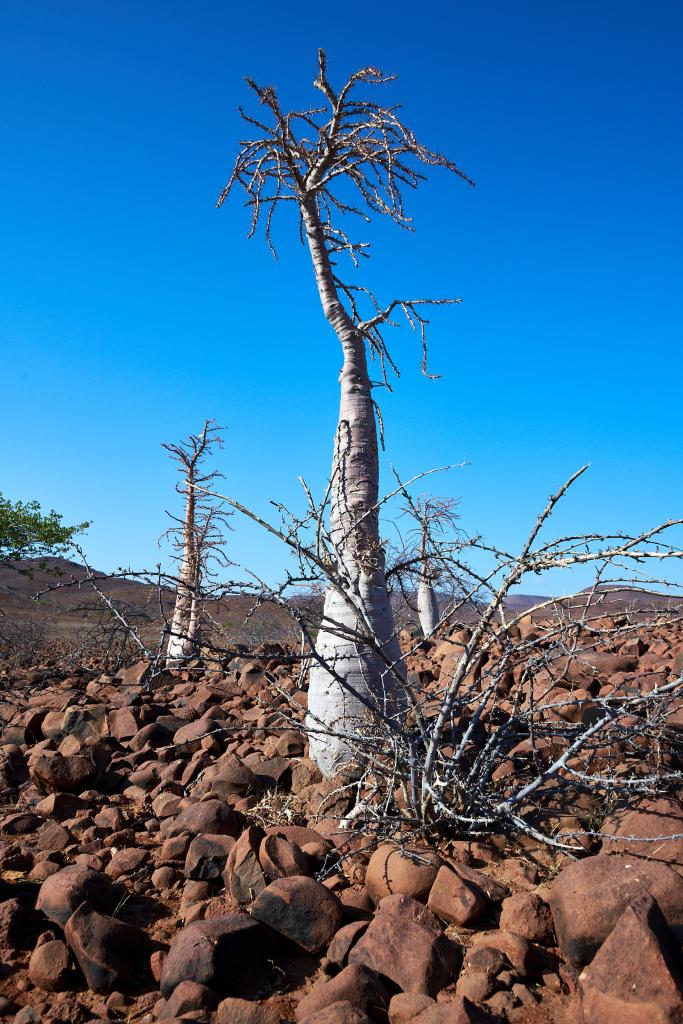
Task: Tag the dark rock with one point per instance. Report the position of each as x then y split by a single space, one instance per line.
414 957
454 900
526 914
58 774
109 952
301 910
186 997
224 954
63 892
207 816
410 871
207 856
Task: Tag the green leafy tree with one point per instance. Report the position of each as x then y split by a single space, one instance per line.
26 532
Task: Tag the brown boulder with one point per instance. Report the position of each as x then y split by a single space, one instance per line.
206 816
279 858
242 1011
300 909
410 871
526 914
413 957
50 966
62 893
588 897
57 774
355 984
207 856
634 976
454 900
110 954
225 954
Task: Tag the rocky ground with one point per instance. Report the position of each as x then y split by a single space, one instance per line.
168 851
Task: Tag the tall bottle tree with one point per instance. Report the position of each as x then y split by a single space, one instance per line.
197 537
350 158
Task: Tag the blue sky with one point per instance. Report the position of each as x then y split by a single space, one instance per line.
131 309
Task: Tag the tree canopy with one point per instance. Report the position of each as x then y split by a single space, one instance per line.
27 532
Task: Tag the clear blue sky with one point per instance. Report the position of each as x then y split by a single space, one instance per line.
131 309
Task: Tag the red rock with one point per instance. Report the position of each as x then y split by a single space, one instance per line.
634 976
123 723
186 997
393 870
137 674
459 1010
54 837
233 778
342 1012
355 984
406 908
57 774
517 950
60 806
588 897
12 924
207 856
109 952
279 858
343 941
454 900
207 816
290 744
50 966
63 892
243 873
651 819
242 1011
224 954
127 862
301 910
20 824
412 956
526 914
405 1007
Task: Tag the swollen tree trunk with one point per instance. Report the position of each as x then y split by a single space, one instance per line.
353 678
183 640
427 604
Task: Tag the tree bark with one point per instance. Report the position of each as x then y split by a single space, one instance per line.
184 627
427 603
336 709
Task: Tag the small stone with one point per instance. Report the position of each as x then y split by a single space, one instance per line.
50 966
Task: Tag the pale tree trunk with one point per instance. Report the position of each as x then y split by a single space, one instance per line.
184 628
334 707
427 603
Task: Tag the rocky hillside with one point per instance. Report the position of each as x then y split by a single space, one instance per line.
169 852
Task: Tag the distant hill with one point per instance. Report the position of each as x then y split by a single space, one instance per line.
67 610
